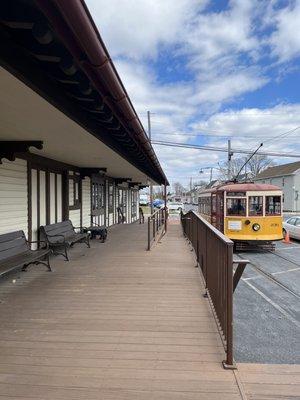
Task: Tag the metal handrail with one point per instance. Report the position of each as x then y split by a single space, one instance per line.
157 223
214 254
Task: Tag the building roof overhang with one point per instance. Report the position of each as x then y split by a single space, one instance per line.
55 49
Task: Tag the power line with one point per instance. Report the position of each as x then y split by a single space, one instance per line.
211 136
222 149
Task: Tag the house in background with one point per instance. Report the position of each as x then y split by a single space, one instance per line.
287 177
71 144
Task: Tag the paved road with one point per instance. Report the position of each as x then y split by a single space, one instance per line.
266 311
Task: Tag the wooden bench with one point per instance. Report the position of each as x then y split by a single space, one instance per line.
15 253
63 234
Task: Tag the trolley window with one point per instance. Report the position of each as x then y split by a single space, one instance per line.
255 205
273 205
236 207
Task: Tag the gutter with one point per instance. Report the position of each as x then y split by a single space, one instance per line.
73 23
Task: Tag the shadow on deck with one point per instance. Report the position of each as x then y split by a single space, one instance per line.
116 322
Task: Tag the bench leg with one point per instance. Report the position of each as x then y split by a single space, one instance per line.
47 264
64 254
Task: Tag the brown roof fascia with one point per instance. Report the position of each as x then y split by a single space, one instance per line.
74 24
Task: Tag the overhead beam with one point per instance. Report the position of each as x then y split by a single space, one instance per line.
90 171
122 180
9 149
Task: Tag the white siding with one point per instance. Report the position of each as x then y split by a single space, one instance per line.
13 196
52 198
74 216
86 202
59 197
71 192
42 198
34 218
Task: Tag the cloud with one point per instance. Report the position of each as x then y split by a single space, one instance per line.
219 54
135 29
285 40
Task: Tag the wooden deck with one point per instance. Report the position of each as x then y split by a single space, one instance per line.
270 381
116 322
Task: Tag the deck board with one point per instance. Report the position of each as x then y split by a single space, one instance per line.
270 381
114 323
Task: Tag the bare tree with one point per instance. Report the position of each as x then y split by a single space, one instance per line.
178 188
257 164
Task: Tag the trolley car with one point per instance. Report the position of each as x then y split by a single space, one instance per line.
247 213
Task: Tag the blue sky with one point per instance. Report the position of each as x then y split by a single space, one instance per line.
217 69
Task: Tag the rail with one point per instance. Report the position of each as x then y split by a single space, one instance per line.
157 224
214 253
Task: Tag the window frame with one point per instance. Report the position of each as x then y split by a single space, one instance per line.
274 214
245 198
250 214
77 192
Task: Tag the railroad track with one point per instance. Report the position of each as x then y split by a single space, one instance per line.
258 267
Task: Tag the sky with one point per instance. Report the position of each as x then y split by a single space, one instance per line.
208 71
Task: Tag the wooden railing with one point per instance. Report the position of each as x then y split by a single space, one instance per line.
157 225
214 254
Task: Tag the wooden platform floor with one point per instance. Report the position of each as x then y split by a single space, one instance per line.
116 322
270 381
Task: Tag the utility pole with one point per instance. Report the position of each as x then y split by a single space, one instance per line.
230 154
151 186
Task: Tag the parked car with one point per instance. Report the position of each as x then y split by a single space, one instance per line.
175 206
144 200
158 203
292 226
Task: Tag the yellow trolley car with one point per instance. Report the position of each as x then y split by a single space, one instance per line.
248 213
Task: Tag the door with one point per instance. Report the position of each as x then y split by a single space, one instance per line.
122 205
220 211
98 201
297 228
45 199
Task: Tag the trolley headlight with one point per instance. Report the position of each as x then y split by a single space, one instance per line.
256 227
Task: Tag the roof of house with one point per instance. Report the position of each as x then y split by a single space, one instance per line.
279 170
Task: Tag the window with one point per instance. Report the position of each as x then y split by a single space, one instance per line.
98 198
204 205
110 198
134 196
236 206
74 192
273 205
297 222
291 221
255 205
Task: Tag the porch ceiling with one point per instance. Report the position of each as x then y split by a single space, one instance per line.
27 116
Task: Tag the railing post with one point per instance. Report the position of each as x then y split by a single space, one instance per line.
229 364
149 233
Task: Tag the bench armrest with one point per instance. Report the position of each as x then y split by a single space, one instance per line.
57 235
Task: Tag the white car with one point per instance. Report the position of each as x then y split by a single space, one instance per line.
292 226
175 206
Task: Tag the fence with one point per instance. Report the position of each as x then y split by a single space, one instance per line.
157 223
214 253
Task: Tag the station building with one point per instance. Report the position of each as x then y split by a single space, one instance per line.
287 177
71 144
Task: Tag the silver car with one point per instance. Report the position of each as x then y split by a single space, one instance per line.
292 226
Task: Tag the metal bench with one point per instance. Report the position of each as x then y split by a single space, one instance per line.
15 253
63 235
